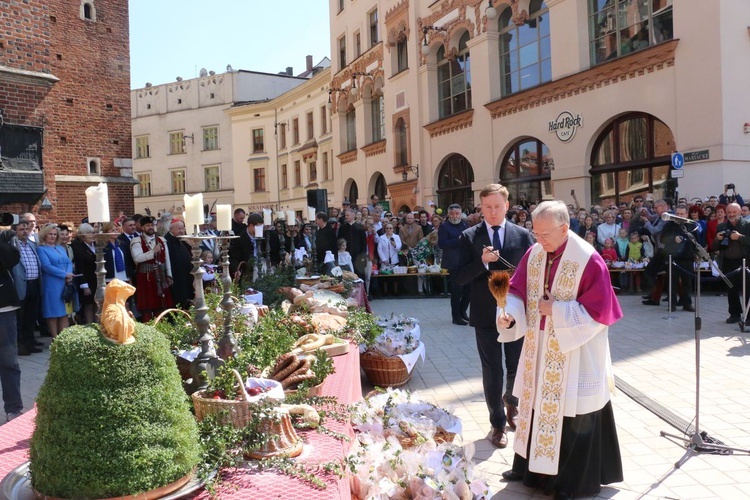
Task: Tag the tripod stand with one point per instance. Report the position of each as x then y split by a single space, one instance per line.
697 442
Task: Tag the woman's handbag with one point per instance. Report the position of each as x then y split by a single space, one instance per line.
69 292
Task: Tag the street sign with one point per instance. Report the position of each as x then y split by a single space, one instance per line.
701 155
678 160
677 174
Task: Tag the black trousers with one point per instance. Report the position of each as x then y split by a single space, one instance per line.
733 294
491 355
459 297
27 314
683 272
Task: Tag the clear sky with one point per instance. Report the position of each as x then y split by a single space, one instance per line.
171 38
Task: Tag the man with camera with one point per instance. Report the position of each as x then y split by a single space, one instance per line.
726 198
733 243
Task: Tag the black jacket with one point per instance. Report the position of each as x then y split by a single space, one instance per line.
471 270
179 259
325 239
9 257
242 249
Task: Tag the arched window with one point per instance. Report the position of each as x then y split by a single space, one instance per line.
381 187
525 56
353 193
619 27
526 171
631 156
88 11
454 80
454 183
351 129
377 118
402 144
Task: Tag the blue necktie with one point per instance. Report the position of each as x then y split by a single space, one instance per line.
496 243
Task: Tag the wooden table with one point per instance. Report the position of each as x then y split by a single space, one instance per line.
392 277
244 483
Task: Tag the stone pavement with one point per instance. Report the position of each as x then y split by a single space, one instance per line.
652 354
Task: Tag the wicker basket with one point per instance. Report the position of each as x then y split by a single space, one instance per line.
236 412
383 371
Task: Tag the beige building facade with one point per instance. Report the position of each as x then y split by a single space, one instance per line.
283 148
551 98
183 141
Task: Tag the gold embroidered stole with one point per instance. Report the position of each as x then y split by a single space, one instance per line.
548 413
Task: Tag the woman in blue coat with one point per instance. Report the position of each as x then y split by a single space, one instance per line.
57 269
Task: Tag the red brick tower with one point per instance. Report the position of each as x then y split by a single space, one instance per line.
65 102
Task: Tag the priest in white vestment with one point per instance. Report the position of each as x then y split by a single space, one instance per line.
562 302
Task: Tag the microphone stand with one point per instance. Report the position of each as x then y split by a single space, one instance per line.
698 442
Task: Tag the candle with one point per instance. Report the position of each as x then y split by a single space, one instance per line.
193 212
97 200
291 220
259 231
267 217
310 214
224 217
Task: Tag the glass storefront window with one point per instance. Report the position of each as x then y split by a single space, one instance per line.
526 171
631 156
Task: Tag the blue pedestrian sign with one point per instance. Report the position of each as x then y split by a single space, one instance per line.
678 160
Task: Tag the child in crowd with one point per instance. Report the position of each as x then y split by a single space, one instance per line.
634 254
404 256
591 240
621 244
608 252
344 258
209 269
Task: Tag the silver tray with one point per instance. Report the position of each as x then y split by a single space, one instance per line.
17 486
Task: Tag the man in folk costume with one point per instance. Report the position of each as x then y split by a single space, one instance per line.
153 275
561 300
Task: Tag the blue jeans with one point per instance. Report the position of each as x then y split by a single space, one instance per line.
10 372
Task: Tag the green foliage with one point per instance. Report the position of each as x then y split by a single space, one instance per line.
112 420
273 336
362 327
183 335
269 283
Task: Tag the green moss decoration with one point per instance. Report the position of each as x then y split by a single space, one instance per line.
113 420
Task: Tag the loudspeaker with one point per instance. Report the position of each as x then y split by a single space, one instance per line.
318 198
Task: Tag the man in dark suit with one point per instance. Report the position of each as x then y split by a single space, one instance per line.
480 248
243 248
356 241
325 238
180 257
449 238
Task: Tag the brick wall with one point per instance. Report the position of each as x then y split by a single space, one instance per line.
86 114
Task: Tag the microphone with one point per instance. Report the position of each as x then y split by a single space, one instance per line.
679 220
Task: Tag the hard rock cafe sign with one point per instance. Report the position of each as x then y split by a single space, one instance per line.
565 125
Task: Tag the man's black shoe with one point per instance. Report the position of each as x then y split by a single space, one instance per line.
649 302
465 317
460 321
32 350
674 307
733 319
688 308
561 495
511 475
39 344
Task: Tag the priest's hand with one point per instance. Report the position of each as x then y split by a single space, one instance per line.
505 320
545 305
